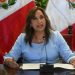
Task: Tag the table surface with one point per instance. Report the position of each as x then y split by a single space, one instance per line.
9 71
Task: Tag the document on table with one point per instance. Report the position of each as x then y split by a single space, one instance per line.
65 66
31 66
37 66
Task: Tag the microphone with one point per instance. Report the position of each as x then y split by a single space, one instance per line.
46 68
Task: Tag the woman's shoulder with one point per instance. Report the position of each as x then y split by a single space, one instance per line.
55 36
21 36
55 33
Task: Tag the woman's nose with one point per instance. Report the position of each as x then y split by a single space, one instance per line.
39 20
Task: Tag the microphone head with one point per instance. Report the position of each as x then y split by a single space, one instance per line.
46 68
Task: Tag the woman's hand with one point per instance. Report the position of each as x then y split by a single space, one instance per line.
72 61
11 63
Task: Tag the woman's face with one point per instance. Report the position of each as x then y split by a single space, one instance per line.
38 22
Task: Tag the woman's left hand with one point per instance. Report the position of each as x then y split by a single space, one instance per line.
72 61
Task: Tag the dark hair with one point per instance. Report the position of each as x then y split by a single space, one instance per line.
30 31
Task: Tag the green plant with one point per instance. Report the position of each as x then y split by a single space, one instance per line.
41 3
6 5
11 2
71 4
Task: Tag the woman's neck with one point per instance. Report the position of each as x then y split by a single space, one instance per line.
39 37
39 34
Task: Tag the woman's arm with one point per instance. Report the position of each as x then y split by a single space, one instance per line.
64 49
11 57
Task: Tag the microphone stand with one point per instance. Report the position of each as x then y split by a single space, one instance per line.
46 68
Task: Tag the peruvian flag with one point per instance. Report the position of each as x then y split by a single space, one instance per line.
12 23
62 16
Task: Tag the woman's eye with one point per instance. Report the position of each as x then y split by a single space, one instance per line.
34 18
41 17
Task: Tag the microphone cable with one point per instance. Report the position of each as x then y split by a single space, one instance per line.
46 54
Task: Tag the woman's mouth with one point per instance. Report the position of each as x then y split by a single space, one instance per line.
40 26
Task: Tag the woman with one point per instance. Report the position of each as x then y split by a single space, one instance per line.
39 43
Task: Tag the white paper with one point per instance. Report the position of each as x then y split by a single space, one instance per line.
37 66
65 66
31 66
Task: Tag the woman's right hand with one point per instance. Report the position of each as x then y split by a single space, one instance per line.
11 63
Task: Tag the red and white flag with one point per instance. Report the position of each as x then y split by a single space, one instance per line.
61 16
12 22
